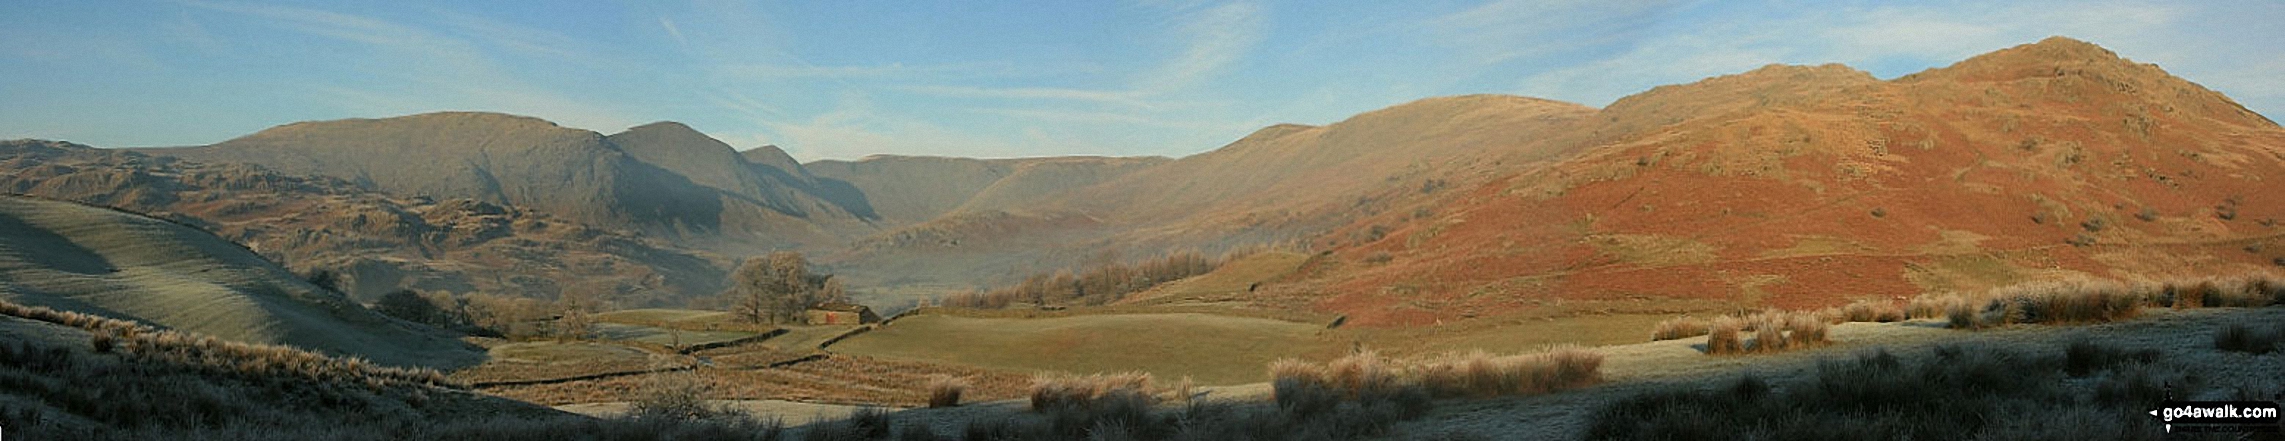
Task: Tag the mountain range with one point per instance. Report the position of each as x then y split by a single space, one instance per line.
1782 186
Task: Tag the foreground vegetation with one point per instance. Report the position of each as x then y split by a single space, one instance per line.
2048 302
2084 391
132 382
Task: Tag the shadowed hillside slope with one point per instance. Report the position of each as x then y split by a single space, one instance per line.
110 263
698 192
1807 186
375 241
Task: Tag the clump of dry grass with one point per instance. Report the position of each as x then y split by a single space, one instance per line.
1362 372
2191 295
1365 375
1872 311
1962 313
2094 301
1722 338
1929 306
1057 391
1772 331
2243 291
1680 328
2239 337
1480 374
945 390
1768 334
1805 331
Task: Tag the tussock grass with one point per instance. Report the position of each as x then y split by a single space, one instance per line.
1128 417
1772 331
2099 301
1803 331
1056 391
2239 337
1473 374
2083 357
1951 395
945 390
1723 338
1872 311
2093 301
1680 328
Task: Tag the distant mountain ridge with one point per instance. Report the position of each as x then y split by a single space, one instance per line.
663 178
2059 156
375 241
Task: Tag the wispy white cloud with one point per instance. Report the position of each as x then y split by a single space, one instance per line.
439 71
189 32
1118 97
667 24
1867 38
1203 40
1505 30
1217 37
1099 118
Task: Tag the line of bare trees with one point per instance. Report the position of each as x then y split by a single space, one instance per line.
1097 285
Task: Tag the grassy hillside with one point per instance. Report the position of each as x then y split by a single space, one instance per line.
75 257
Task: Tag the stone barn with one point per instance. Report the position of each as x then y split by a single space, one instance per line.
841 314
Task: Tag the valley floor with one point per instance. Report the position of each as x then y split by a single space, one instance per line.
2183 338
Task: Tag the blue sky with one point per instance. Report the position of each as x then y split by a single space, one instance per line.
843 79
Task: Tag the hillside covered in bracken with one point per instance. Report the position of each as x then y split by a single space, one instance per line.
1802 186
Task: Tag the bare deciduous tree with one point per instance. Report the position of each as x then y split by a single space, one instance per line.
778 287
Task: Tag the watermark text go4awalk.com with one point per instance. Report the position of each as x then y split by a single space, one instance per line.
2218 416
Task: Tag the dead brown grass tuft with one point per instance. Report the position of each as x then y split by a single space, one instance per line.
1480 374
1803 331
1679 328
1722 337
945 390
1768 334
1472 374
2191 295
1872 311
1058 391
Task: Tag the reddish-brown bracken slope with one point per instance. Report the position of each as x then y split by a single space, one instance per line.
1800 186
